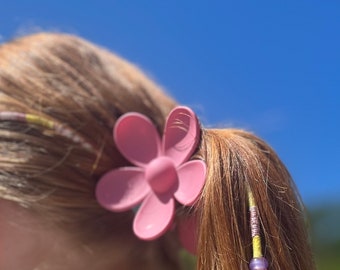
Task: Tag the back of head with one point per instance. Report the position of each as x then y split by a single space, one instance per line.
85 89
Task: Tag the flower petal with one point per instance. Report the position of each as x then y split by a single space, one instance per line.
154 217
122 189
137 138
191 177
187 233
181 134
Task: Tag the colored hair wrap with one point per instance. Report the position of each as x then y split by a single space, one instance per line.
45 123
258 262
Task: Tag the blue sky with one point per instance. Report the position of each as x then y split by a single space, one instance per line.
272 67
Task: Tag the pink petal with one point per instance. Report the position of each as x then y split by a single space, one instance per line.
154 217
191 177
122 189
187 233
137 139
181 134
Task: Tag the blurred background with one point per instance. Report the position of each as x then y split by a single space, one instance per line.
271 67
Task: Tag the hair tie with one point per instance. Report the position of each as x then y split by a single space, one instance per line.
162 173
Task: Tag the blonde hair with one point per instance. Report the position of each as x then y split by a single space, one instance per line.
85 88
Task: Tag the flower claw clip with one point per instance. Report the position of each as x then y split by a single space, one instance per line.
162 174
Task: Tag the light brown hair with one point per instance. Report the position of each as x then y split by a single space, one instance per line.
85 88
237 159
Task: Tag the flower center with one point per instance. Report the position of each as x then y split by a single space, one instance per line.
161 174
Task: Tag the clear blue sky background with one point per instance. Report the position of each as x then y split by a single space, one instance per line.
272 67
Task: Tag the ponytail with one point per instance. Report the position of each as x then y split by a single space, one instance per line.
237 160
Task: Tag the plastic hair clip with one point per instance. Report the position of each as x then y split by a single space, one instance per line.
162 173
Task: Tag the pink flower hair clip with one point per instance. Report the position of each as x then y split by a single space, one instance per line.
163 171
